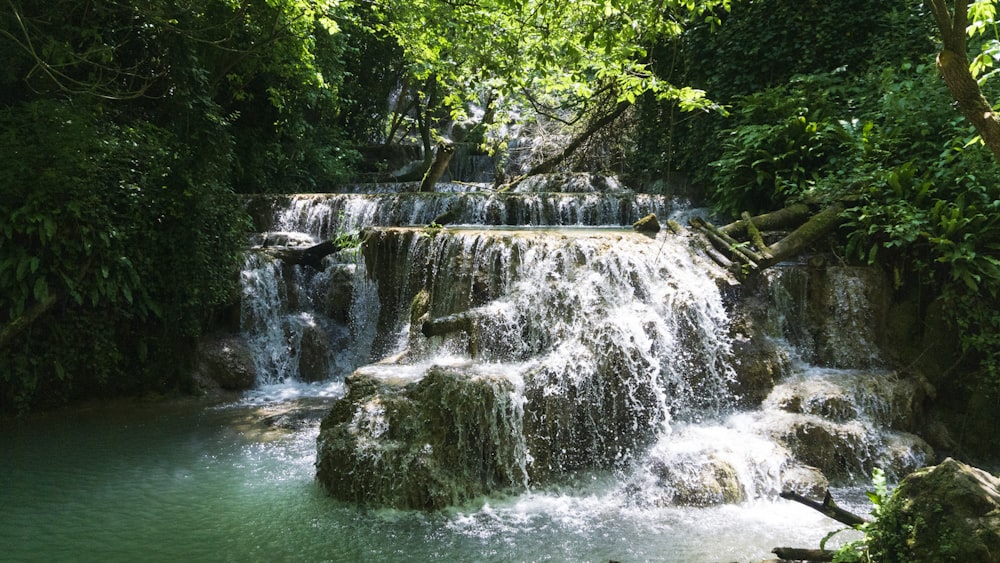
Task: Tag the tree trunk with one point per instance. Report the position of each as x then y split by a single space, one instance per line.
18 325
953 63
437 167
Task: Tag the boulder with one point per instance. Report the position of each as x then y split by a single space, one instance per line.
699 479
442 440
647 224
225 361
949 512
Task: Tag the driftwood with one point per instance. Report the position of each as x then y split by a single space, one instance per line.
829 509
459 322
311 256
438 166
810 228
798 554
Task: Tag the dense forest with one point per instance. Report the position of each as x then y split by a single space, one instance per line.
130 130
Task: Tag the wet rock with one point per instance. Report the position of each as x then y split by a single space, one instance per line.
314 354
647 224
225 361
805 480
759 364
849 450
699 481
440 441
950 512
339 289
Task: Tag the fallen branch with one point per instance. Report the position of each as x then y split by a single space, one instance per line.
817 226
797 554
735 247
756 237
828 508
311 256
791 216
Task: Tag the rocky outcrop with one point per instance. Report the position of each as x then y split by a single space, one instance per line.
440 441
225 361
950 512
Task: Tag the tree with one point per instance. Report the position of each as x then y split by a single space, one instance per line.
523 54
953 23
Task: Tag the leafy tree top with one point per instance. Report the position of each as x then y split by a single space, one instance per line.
554 49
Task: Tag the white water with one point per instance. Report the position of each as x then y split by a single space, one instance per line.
557 310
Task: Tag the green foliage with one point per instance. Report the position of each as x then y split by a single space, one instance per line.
106 238
785 142
751 53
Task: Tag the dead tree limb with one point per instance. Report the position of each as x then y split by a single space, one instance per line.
798 554
791 216
735 247
828 508
311 256
755 236
549 164
19 324
816 227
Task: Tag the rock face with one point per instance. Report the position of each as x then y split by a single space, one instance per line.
441 441
950 512
227 362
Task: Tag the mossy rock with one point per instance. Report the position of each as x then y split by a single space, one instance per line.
647 224
441 441
950 512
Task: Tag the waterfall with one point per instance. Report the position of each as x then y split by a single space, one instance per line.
530 337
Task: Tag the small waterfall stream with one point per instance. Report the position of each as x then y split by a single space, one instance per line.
536 339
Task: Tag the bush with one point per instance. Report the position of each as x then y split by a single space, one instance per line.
110 257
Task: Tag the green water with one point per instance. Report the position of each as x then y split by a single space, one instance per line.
189 482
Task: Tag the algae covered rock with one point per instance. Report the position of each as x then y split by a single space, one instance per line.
647 224
439 441
949 512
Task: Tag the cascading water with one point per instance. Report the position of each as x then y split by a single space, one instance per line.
514 358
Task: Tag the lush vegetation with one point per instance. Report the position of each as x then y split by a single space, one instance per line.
128 130
868 122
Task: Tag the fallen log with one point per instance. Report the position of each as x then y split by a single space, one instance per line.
755 236
798 554
828 508
459 322
735 247
816 227
791 216
311 256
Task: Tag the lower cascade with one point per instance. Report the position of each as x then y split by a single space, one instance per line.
499 360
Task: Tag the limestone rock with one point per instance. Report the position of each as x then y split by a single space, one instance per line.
439 441
805 480
699 481
227 362
950 512
647 224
